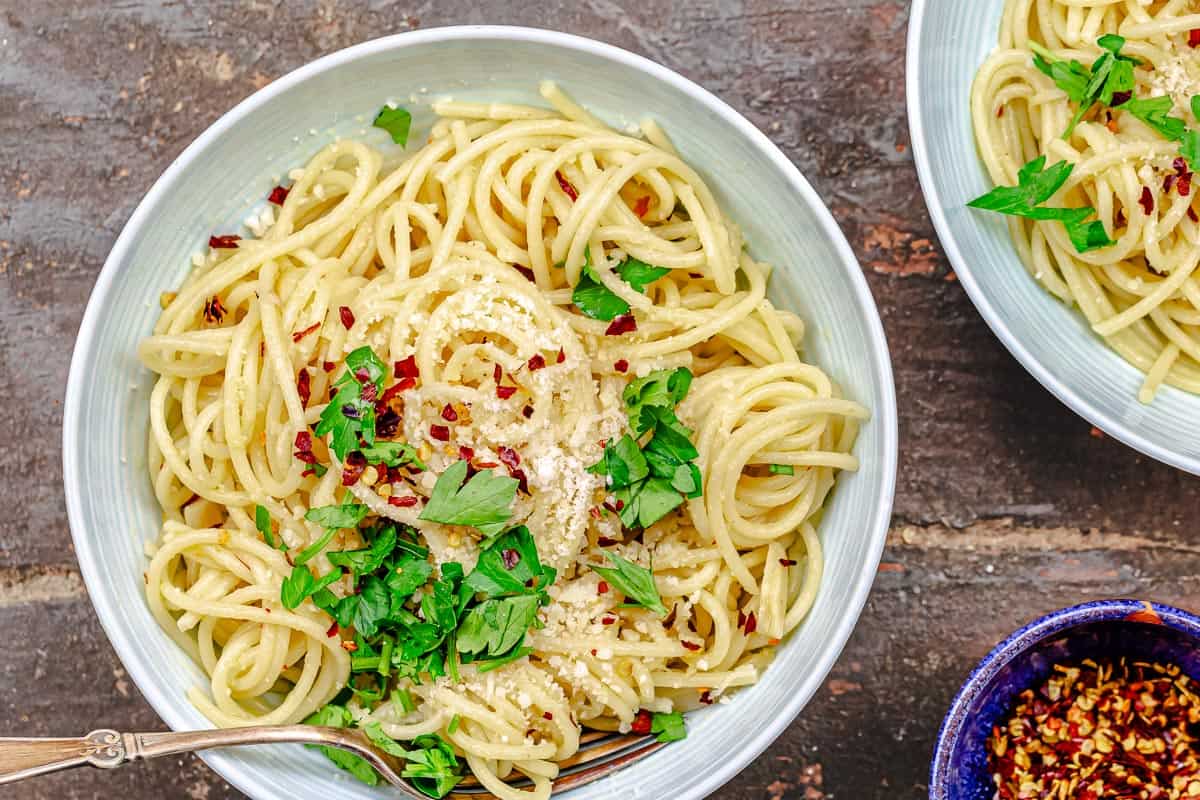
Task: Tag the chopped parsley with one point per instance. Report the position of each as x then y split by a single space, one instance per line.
1110 76
483 502
669 727
349 415
597 301
392 454
262 521
1155 112
396 121
1037 184
782 469
634 581
651 472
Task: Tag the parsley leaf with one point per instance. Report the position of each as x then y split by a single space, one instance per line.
262 521
669 727
349 416
495 627
396 121
1037 184
334 716
347 515
1155 112
595 299
301 583
634 581
374 605
392 454
782 469
663 387
369 558
622 462
1190 140
482 502
509 565
1110 74
433 767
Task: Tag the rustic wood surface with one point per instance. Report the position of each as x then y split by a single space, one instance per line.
1007 507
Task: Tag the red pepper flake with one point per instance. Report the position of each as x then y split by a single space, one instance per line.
625 323
604 541
508 456
510 557
1000 111
406 368
328 366
298 335
1192 214
527 412
608 619
497 374
527 272
595 512
1121 98
505 392
751 623
547 715
1194 38
741 619
333 630
347 317
304 452
641 206
277 195
621 366
226 242
465 453
1184 184
1147 201
1120 221
690 645
487 464
641 723
402 385
449 414
440 432
566 186
562 356
706 697
522 479
1169 182
407 501
353 467
602 587
536 362
303 388
788 562
213 310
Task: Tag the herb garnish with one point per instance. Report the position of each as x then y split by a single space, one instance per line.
262 521
781 469
482 502
1110 75
669 727
349 414
652 471
1037 184
396 121
597 301
634 581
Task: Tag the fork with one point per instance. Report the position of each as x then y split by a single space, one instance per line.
600 754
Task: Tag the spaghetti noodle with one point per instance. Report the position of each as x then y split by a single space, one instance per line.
1139 291
502 276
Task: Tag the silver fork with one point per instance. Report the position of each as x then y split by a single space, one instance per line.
600 753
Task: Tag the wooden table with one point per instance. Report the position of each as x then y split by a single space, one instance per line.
1008 505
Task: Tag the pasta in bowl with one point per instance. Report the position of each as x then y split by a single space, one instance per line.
480 443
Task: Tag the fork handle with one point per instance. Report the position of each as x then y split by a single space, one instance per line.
106 749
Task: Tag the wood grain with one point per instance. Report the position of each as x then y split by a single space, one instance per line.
1007 507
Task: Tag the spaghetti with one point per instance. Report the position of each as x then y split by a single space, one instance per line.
501 274
1138 291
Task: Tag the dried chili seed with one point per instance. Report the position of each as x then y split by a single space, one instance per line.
1100 729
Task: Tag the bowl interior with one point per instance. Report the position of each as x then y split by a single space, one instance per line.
1027 659
948 41
228 172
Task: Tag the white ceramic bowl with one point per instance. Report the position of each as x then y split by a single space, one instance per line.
948 40
229 170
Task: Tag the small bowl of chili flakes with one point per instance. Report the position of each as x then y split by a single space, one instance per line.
1093 702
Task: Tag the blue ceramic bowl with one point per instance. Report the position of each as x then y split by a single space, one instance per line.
1105 628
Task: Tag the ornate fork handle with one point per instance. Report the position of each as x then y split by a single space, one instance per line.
24 758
